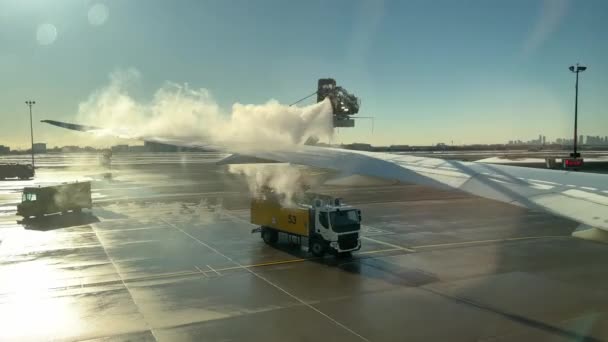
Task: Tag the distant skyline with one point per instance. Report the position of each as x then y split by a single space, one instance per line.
428 71
582 139
540 140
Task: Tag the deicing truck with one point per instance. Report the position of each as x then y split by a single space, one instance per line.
327 224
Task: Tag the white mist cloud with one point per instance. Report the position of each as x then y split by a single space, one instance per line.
179 111
286 180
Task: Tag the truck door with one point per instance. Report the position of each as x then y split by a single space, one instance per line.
29 205
322 225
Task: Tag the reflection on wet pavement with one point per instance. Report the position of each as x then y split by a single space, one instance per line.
167 254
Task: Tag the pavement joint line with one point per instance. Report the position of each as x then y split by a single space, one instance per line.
390 244
145 198
290 261
161 276
267 281
211 268
170 275
124 283
109 231
278 262
380 251
236 218
464 243
512 316
201 271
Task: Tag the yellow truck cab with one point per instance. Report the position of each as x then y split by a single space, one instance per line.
328 224
39 201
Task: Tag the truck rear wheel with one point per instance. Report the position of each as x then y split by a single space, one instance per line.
317 247
270 236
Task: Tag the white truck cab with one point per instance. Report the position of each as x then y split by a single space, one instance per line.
338 225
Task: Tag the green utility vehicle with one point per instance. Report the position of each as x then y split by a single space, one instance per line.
40 201
21 171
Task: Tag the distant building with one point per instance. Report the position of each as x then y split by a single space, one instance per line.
39 147
120 148
359 147
70 149
597 140
158 147
399 148
138 148
563 141
4 149
544 140
581 140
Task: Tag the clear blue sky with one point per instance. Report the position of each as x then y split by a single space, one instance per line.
429 71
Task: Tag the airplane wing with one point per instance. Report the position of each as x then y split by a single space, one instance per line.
579 196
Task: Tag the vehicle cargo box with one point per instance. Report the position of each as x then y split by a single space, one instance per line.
268 213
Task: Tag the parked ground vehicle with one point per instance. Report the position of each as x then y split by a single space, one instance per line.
327 224
39 201
21 171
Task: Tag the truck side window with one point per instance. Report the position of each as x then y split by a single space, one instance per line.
28 197
353 216
323 219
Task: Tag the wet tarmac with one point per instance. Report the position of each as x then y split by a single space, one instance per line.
166 254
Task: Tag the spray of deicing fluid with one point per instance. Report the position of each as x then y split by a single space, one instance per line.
180 111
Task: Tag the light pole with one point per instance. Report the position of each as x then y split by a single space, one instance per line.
30 103
576 69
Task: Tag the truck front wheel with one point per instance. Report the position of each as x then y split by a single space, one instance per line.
317 247
270 236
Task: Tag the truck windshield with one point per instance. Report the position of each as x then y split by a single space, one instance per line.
28 197
344 220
